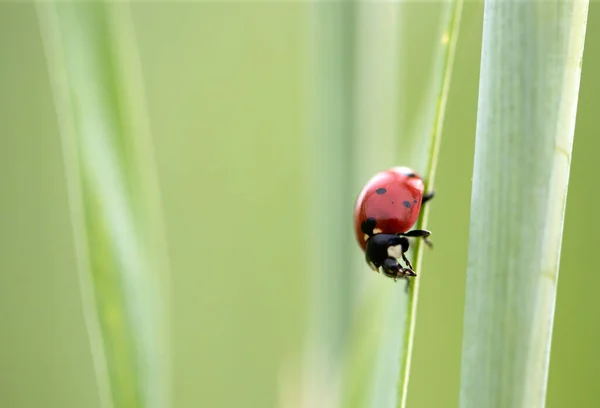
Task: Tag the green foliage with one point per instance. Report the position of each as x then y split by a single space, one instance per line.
113 198
446 51
530 73
258 198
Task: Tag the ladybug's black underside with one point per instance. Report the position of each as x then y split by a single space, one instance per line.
378 245
383 250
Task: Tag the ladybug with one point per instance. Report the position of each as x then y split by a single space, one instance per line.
386 208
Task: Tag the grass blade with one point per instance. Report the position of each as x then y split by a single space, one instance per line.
331 32
368 375
448 41
113 192
530 73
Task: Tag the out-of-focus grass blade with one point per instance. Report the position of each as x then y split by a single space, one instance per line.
530 73
383 313
114 199
352 353
330 236
368 377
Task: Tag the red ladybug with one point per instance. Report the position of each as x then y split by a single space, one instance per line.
386 209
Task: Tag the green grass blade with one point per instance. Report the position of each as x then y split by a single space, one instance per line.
530 73
448 41
368 377
331 129
113 192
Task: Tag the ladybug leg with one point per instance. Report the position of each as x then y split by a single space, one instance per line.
407 277
407 262
409 272
416 234
406 289
368 226
427 197
419 234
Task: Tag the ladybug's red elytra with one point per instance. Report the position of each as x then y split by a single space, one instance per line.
386 208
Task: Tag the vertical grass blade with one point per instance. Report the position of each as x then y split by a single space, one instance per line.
368 376
113 192
447 50
330 233
530 73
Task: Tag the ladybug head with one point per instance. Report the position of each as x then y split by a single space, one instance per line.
392 268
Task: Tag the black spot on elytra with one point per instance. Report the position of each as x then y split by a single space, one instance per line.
411 175
414 201
368 226
407 204
381 191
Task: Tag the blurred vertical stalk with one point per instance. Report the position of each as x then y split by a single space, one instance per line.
114 198
332 290
369 377
530 73
383 313
353 351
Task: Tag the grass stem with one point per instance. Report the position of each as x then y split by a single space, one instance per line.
113 196
448 48
529 85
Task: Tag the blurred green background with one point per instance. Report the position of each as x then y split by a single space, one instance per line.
229 99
